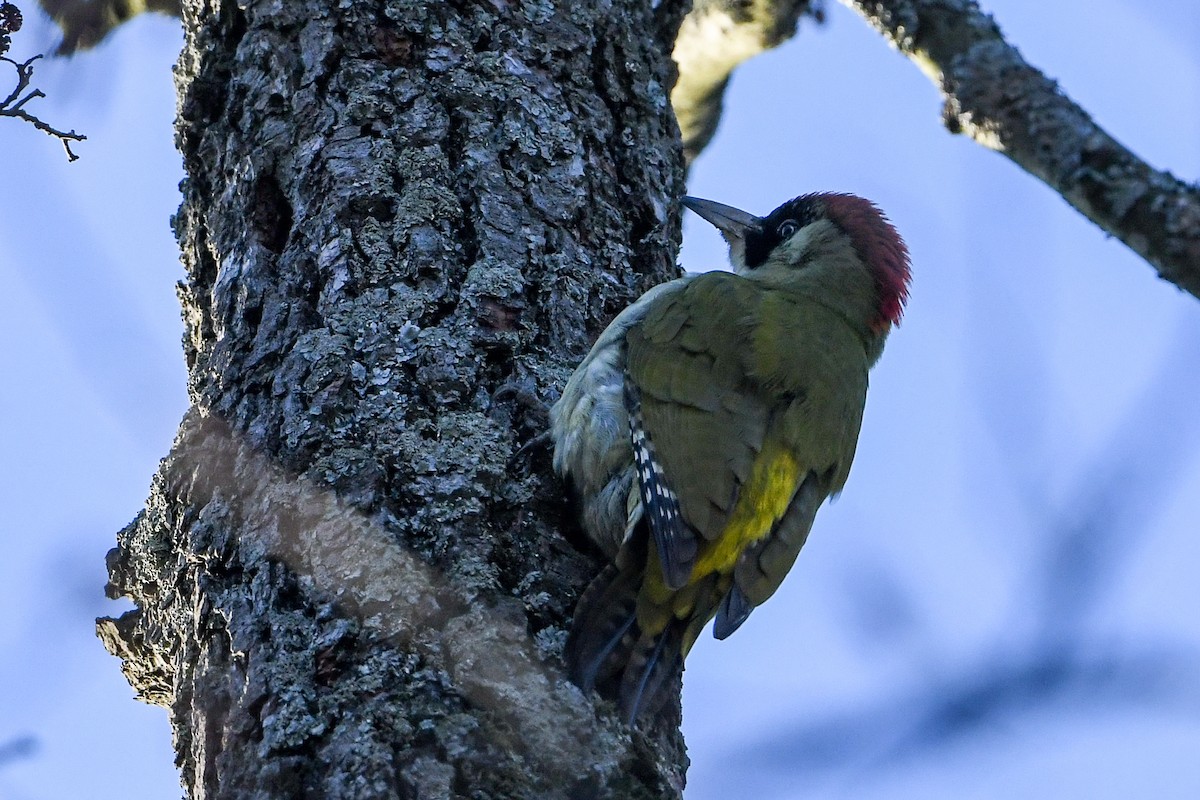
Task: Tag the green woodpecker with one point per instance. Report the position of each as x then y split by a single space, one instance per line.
710 421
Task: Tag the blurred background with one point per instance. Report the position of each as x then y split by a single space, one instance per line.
1003 602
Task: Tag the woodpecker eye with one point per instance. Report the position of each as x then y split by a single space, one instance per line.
787 229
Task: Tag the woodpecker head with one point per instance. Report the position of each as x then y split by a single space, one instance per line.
802 232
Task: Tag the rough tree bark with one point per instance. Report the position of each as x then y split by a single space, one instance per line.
403 222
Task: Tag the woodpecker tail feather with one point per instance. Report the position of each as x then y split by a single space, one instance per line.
608 653
653 661
604 630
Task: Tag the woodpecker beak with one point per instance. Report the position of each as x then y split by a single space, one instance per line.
733 223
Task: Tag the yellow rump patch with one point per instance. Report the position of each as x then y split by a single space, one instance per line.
763 500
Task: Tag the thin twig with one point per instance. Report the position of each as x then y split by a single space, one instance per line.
12 107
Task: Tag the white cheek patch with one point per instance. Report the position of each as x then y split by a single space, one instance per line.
737 255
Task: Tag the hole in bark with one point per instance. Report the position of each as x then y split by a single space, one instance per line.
381 208
392 46
239 26
271 216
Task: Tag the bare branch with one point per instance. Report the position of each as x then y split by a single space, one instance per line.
12 107
1002 102
714 39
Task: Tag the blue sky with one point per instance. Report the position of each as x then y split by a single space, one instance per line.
1036 408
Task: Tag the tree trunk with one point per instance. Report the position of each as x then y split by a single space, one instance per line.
403 223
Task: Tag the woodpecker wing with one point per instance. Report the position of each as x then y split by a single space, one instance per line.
694 412
743 401
818 428
745 393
